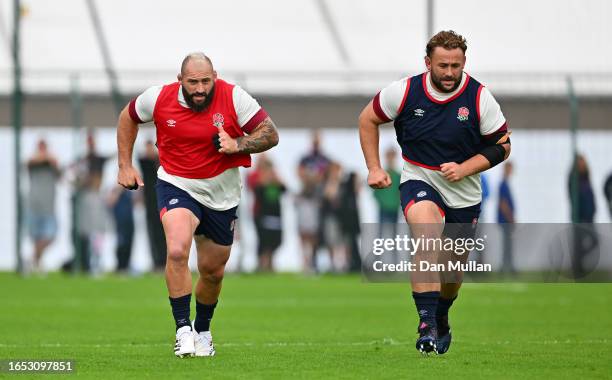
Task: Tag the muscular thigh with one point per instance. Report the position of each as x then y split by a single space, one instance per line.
211 256
422 207
179 225
180 214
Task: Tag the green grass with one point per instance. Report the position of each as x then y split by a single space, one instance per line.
288 326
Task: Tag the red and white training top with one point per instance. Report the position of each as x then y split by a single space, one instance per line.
188 158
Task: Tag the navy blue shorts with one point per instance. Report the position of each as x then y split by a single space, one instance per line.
216 225
414 191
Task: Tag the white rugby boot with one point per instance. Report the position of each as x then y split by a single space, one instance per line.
203 343
185 345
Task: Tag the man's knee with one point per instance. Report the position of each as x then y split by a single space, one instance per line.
211 275
178 252
423 212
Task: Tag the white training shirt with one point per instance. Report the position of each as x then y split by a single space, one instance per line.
468 191
221 192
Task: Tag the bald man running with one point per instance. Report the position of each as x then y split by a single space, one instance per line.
206 129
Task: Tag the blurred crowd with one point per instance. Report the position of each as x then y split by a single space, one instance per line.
91 207
326 206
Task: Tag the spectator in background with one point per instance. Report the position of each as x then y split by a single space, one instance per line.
268 191
252 178
252 181
350 221
43 174
581 192
484 184
608 193
505 217
89 212
583 209
330 230
388 198
120 202
478 255
312 171
149 163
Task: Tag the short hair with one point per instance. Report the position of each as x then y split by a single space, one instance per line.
448 39
195 55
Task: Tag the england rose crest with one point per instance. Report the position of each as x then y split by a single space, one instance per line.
463 113
218 120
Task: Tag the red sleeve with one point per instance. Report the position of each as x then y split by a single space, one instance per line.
132 111
255 120
378 109
502 129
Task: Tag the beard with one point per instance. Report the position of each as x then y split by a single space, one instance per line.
198 107
437 81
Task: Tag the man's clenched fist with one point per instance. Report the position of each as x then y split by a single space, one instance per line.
224 142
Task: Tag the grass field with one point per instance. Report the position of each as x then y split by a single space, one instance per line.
287 326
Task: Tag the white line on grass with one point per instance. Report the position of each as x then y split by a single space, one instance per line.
384 342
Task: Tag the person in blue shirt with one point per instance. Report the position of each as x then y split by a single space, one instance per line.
583 208
121 205
505 218
608 192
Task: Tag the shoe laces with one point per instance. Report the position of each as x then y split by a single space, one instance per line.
205 337
181 336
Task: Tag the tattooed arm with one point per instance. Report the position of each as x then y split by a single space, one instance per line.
262 138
